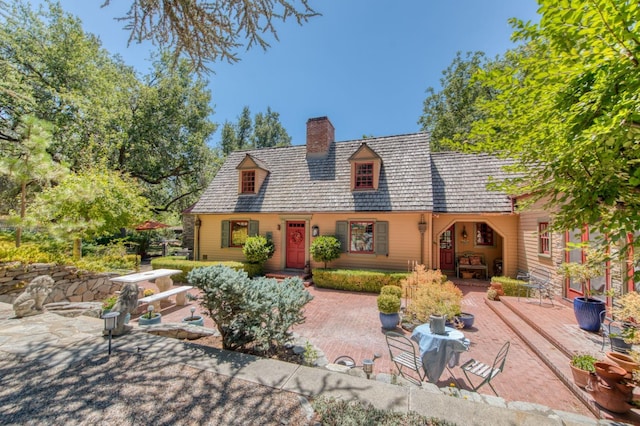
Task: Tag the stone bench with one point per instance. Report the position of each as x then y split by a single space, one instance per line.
179 292
162 278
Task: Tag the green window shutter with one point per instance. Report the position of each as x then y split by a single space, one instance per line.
381 236
253 228
342 234
224 234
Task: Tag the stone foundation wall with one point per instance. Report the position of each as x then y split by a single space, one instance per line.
71 284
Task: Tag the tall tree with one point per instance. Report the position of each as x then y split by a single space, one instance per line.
568 112
206 31
268 131
90 204
155 128
449 113
244 129
27 163
264 131
228 140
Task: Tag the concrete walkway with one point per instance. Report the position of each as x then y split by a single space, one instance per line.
60 342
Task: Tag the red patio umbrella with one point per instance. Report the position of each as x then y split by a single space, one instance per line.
151 224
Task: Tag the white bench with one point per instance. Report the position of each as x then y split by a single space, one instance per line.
179 292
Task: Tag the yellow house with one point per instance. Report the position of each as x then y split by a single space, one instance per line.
389 200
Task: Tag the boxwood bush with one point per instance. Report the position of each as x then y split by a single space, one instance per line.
179 262
509 285
356 280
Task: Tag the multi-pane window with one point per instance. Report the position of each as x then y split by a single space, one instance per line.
544 240
361 237
364 176
248 181
239 231
484 235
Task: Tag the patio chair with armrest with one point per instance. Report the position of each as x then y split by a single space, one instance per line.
610 329
486 371
404 356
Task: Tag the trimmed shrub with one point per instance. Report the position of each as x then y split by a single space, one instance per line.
325 249
187 266
430 295
258 249
393 290
509 285
388 303
356 280
250 313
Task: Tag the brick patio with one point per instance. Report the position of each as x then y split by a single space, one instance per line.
537 371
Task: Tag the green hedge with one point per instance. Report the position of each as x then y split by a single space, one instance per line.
356 280
509 285
179 262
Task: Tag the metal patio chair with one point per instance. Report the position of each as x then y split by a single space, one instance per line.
403 354
486 371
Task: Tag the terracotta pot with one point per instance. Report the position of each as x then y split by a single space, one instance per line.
610 373
624 361
498 287
580 377
609 398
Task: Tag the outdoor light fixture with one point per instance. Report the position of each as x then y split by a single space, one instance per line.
192 310
315 231
110 322
367 367
464 233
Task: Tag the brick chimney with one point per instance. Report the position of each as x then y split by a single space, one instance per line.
320 136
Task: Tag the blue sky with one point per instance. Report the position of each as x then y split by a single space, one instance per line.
365 64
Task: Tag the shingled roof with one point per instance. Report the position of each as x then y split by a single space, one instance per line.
411 179
460 183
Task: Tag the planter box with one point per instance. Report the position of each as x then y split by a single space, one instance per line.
467 275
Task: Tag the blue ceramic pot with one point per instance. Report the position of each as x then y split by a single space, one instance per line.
150 321
587 312
195 320
389 321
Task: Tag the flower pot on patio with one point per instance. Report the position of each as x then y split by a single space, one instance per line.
194 320
624 361
389 321
155 319
466 319
587 312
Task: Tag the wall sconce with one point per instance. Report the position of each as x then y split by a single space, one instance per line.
198 222
464 234
315 231
110 322
278 227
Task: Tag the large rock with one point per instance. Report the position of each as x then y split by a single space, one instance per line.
180 331
75 309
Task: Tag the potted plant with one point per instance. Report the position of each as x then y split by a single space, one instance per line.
150 317
582 366
193 319
586 308
627 310
389 306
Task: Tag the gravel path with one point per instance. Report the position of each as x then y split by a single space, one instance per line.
127 389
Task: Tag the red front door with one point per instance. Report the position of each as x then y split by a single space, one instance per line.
447 250
295 245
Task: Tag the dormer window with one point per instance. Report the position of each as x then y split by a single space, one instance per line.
251 175
364 176
365 169
248 181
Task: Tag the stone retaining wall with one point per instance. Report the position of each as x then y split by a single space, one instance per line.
71 284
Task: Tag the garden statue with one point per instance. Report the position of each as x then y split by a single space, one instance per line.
32 298
126 304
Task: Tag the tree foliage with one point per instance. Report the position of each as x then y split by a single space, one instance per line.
258 249
449 113
265 131
567 111
27 163
89 204
153 127
207 31
325 248
250 312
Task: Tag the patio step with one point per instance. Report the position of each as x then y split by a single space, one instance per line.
553 354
